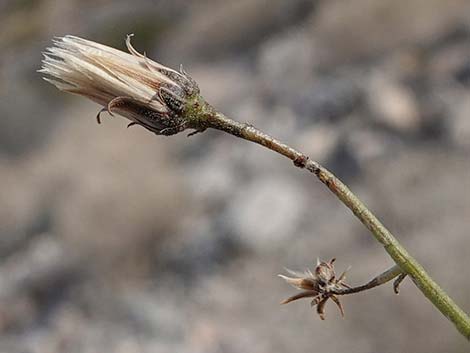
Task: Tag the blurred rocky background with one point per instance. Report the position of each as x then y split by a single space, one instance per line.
115 240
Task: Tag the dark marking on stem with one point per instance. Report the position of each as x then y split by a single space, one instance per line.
301 161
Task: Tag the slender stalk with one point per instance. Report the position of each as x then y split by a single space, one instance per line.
205 116
383 278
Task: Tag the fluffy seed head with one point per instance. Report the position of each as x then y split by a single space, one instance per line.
130 84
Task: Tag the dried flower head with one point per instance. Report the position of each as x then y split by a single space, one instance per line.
320 285
147 93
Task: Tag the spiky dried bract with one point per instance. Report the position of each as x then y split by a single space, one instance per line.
320 285
130 84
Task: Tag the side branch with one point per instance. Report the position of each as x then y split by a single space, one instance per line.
383 278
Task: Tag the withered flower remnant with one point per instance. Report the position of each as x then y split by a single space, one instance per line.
320 285
130 84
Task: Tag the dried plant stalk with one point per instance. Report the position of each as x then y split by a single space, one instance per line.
167 102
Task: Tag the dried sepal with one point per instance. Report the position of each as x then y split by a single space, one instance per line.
338 304
321 307
305 294
306 283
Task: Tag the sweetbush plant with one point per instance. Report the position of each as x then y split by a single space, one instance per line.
167 102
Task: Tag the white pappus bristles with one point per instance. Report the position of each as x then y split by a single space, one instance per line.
132 85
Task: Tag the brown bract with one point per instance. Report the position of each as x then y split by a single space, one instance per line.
320 285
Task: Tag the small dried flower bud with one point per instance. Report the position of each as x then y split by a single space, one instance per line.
320 285
147 93
325 271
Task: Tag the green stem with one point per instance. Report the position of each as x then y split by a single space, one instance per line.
204 116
